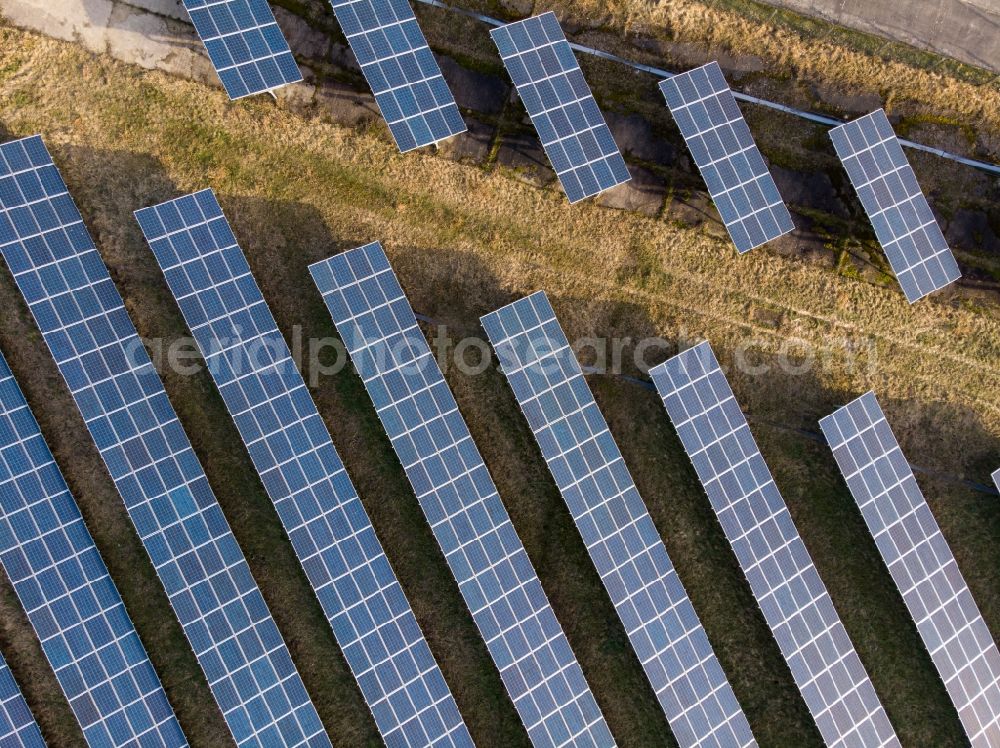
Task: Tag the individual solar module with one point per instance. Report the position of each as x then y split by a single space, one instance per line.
920 562
888 191
782 576
623 543
459 499
18 728
302 472
247 48
727 157
568 121
996 478
125 407
64 587
404 76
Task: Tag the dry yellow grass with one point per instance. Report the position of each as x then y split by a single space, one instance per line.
697 30
464 242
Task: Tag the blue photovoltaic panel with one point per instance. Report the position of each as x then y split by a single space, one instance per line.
782 576
888 191
302 472
727 157
18 728
122 400
65 589
570 125
459 499
409 89
623 543
246 46
920 562
996 478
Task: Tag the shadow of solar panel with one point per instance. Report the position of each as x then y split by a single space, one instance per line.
459 499
611 516
755 519
569 123
246 46
888 190
401 70
727 157
64 587
302 472
18 728
125 407
920 562
996 478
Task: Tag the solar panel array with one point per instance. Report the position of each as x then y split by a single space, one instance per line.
755 519
620 536
302 472
459 499
64 587
727 157
406 79
569 123
920 562
122 400
18 728
888 191
247 48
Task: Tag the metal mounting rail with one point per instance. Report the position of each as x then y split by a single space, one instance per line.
811 116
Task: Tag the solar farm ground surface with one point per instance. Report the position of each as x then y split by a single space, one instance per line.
464 242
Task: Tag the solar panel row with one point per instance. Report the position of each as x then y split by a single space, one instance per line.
302 472
888 191
64 587
459 499
727 157
611 516
18 728
406 79
251 55
920 562
568 121
246 46
782 576
125 407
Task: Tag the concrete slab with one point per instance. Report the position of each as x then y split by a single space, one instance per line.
971 228
304 40
157 42
126 31
813 190
342 104
644 193
299 97
635 137
518 7
82 21
342 57
968 30
472 146
169 8
474 90
692 209
523 155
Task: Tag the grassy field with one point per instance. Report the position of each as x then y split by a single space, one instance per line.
784 58
465 240
819 55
